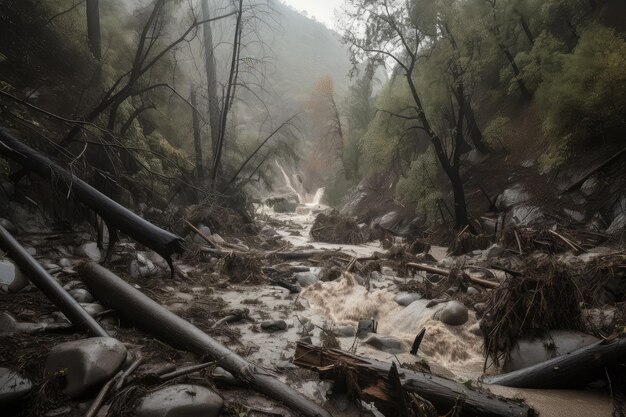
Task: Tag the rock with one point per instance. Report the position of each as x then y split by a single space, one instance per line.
31 250
523 216
404 299
529 163
476 157
618 225
493 251
453 313
81 295
92 308
574 215
182 400
472 291
385 270
89 250
376 276
366 326
344 331
12 277
52 268
274 325
387 344
65 263
138 269
590 186
86 363
530 351
512 196
8 225
306 278
475 329
205 231
13 387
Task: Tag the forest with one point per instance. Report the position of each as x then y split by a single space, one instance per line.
241 208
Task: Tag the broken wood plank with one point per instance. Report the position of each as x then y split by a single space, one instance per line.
49 286
147 315
116 216
372 378
445 272
573 369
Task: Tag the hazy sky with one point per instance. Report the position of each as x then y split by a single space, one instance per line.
323 10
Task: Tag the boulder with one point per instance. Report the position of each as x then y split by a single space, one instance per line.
530 351
13 387
306 278
344 331
511 197
89 250
523 216
366 326
11 277
182 400
85 363
387 344
493 251
404 299
81 295
453 313
274 325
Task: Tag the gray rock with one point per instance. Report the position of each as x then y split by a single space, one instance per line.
92 308
181 401
366 326
590 186
89 250
493 251
523 216
387 344
31 250
306 278
512 196
452 313
86 363
13 387
12 277
574 215
385 270
618 225
528 352
404 299
472 291
8 225
205 231
142 268
529 163
52 268
81 295
344 331
65 263
274 325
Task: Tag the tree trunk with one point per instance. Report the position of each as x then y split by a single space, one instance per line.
527 31
211 78
49 286
518 75
93 28
197 136
474 131
115 215
573 369
134 306
372 379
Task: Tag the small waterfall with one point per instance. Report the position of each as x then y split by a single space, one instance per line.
317 198
289 184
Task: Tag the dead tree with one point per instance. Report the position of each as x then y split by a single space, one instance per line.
211 77
197 135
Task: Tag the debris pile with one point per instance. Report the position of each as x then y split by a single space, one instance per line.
334 227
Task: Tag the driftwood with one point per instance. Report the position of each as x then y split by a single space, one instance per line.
573 369
114 215
48 285
445 272
135 307
280 255
372 381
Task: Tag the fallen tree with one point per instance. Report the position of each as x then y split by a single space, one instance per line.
114 215
48 285
378 382
445 272
135 307
572 369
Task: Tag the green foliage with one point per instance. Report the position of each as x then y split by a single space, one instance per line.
421 187
498 131
587 97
